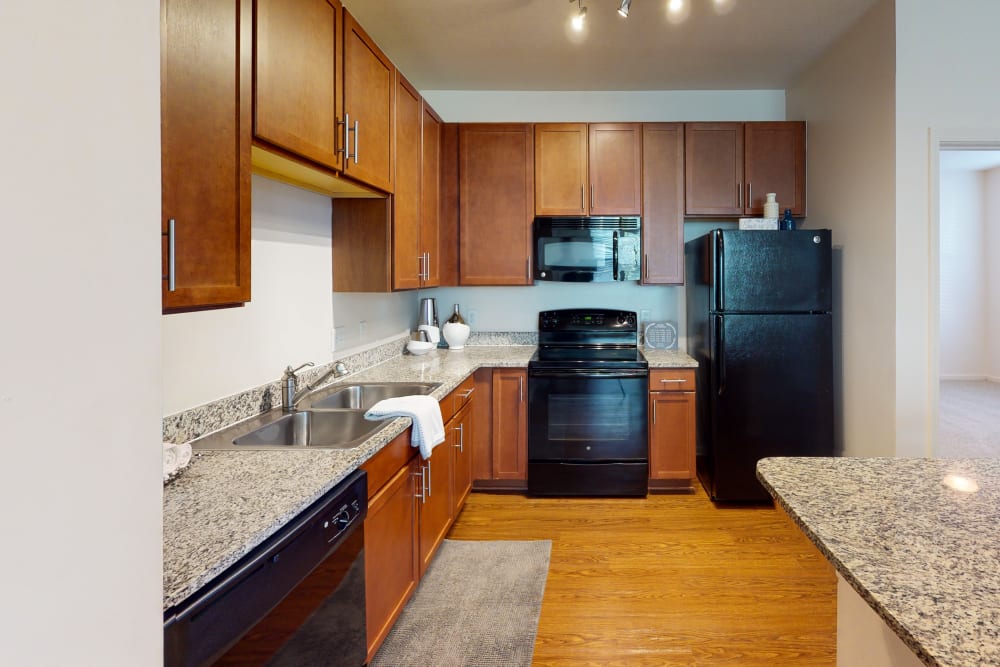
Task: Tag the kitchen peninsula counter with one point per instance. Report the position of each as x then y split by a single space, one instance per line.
916 539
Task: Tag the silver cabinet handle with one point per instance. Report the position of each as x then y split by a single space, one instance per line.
427 266
749 194
673 381
654 413
581 197
430 484
466 394
591 195
527 268
461 437
645 264
355 142
423 488
520 389
739 194
171 255
420 267
347 138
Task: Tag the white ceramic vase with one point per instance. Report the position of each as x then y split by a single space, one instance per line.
455 335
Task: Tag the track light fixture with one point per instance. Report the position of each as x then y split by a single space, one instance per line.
623 7
581 15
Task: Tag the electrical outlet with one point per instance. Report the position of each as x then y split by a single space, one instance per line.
339 337
362 329
645 314
472 317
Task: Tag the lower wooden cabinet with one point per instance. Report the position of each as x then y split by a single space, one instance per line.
671 428
391 564
412 503
500 444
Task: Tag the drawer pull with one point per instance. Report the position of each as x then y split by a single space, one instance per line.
673 381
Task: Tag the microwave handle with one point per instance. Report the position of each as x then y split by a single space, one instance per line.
614 255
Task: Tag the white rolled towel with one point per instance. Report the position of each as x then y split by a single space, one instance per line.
169 460
428 428
183 455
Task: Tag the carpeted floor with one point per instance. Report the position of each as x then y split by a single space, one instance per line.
478 604
969 420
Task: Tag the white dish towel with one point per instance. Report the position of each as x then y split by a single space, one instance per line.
175 459
428 429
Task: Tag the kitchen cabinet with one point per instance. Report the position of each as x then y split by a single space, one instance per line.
407 257
461 436
510 425
663 203
298 98
369 102
391 563
671 428
496 204
412 504
583 169
205 117
430 195
386 244
729 167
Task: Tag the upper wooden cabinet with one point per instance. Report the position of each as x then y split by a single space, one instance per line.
496 204
407 257
663 203
430 196
729 167
205 111
585 169
369 102
298 98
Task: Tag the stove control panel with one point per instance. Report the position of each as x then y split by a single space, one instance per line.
575 319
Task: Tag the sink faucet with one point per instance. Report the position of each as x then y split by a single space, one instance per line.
291 396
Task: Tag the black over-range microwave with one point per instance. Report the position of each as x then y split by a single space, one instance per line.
587 250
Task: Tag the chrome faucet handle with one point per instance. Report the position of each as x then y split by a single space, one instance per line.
291 371
288 386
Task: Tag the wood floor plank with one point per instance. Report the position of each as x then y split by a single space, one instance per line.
668 580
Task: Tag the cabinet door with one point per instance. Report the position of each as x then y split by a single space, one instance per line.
430 183
297 96
776 162
369 92
713 168
407 262
436 506
510 424
205 151
561 169
663 203
496 204
391 565
463 439
615 169
671 435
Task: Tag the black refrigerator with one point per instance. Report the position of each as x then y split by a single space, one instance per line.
759 324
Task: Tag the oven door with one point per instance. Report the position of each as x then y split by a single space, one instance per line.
577 415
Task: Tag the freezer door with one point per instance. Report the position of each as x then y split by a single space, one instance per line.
772 272
771 395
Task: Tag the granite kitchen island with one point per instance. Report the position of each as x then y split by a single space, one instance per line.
916 549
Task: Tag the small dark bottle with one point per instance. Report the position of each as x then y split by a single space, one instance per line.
787 222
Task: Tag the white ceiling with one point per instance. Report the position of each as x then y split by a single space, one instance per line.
528 44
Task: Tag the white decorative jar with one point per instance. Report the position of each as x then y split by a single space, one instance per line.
455 335
771 206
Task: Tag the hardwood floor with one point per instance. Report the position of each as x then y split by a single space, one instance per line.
668 580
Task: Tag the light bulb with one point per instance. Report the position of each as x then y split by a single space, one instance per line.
579 18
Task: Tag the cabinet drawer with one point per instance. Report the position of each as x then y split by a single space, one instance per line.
386 463
457 399
671 379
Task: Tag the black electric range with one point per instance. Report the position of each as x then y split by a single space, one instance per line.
587 405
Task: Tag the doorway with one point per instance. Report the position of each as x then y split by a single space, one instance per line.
968 288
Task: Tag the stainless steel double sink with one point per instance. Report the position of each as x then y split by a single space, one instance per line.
333 418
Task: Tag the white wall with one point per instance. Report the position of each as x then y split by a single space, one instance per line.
991 184
963 287
946 55
80 484
215 353
847 99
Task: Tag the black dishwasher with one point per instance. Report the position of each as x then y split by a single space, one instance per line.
296 599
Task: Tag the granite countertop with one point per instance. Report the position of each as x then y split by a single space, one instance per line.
916 538
226 503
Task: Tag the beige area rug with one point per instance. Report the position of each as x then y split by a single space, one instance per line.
478 604
969 420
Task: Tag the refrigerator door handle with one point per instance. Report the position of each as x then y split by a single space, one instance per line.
721 363
720 272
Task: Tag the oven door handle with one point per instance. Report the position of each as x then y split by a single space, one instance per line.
588 373
614 255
